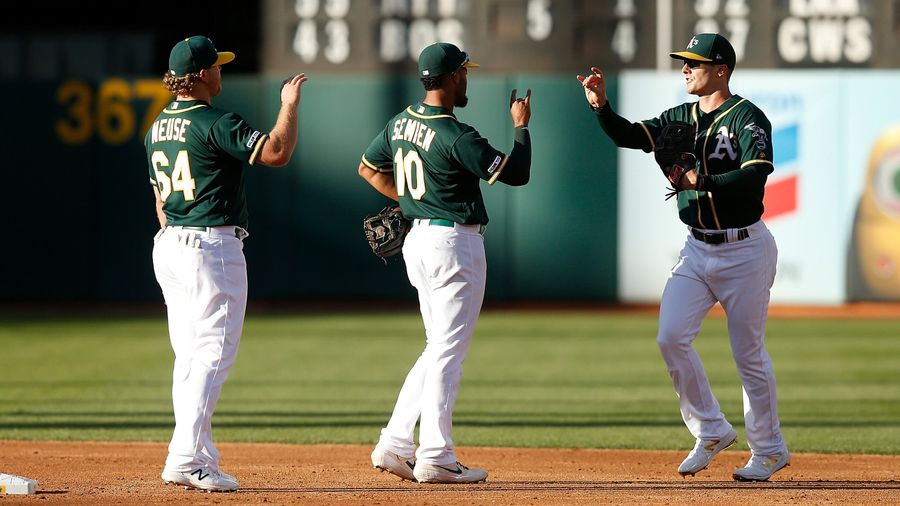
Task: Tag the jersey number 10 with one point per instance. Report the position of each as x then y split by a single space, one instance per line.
404 166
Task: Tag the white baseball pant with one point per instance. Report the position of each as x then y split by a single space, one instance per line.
738 275
447 266
203 276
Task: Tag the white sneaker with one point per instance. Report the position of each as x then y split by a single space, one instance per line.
703 453
227 476
201 478
394 464
457 473
762 467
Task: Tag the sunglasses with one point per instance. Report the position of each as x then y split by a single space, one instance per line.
692 64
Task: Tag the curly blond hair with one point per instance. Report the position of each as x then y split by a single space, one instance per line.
180 85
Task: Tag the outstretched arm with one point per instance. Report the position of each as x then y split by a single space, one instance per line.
622 132
282 139
516 169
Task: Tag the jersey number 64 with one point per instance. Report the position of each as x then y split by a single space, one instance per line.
181 180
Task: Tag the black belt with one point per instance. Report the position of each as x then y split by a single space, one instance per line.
718 237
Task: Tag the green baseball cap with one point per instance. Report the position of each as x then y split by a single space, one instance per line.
708 48
442 58
194 54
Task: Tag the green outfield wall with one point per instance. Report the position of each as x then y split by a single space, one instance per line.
81 208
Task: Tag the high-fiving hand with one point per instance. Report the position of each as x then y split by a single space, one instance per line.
594 87
520 108
290 89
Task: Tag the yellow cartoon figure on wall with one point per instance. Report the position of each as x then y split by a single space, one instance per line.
878 220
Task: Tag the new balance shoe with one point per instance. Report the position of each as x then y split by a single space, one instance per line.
228 476
394 464
455 473
762 467
703 453
201 478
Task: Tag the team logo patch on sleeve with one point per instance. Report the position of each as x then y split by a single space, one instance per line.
758 133
253 138
494 165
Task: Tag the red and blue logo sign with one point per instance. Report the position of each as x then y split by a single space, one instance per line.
782 188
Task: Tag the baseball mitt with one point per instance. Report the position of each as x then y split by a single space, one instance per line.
386 231
675 151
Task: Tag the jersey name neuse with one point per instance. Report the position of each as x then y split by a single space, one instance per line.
196 154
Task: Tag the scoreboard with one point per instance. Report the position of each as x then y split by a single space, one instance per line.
566 35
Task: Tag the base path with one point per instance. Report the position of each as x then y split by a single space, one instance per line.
128 473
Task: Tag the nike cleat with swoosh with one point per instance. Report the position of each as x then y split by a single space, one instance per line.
454 473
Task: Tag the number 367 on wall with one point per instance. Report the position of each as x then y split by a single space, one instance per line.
107 110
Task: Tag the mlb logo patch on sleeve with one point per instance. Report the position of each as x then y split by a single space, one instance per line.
494 165
253 138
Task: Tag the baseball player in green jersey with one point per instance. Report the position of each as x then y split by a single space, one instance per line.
196 154
729 255
433 163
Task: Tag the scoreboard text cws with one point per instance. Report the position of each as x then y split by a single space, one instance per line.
559 35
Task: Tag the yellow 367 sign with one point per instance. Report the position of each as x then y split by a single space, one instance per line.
109 111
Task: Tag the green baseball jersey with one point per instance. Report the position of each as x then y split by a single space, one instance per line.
196 154
734 153
437 162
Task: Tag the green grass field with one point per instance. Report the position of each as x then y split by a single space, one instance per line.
532 379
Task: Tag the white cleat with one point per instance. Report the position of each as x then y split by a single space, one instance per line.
201 478
762 467
394 464
227 476
703 453
456 473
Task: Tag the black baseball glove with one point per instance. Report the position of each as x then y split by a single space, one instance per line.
386 231
675 152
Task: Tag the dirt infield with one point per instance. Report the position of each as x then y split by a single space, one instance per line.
128 473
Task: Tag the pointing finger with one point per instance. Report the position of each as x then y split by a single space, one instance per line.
512 98
528 98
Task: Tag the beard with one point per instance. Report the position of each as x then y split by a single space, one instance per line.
461 101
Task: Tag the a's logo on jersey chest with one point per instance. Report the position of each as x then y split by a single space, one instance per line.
724 145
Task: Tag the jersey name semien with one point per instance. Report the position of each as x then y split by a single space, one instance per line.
413 131
438 163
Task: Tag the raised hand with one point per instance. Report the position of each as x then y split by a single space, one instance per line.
290 89
520 108
594 87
